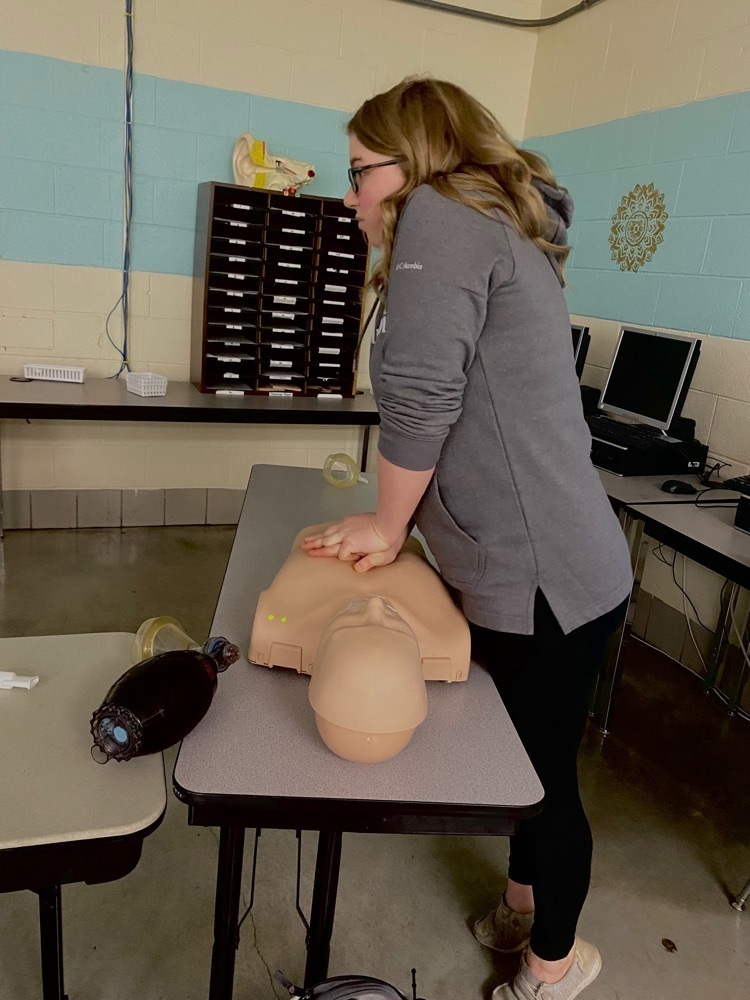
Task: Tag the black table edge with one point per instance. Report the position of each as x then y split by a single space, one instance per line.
92 860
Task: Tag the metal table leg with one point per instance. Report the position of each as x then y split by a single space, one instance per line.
609 676
739 902
721 636
365 448
226 912
50 933
323 906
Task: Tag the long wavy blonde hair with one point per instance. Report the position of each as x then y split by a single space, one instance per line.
446 138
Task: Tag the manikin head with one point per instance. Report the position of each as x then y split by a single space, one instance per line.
367 687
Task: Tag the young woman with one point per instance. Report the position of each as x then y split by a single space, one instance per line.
483 444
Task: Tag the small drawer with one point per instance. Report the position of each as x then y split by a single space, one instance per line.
248 286
338 291
240 245
245 206
282 353
281 387
292 304
289 236
352 249
238 229
289 254
231 315
328 305
327 273
281 283
353 266
276 324
227 343
336 225
325 323
291 270
290 215
237 268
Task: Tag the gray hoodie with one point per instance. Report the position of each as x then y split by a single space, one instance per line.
473 373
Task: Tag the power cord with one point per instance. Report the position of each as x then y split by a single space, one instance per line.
124 300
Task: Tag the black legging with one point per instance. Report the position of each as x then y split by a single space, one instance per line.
546 682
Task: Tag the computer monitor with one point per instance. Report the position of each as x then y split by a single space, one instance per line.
650 376
581 341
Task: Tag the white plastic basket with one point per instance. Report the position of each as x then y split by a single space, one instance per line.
146 383
54 373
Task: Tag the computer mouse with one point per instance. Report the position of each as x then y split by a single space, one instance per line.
677 486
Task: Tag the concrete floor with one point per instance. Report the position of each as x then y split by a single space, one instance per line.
667 795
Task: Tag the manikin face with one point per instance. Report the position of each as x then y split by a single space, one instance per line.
374 185
370 610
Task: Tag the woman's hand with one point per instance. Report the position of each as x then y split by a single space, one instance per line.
357 539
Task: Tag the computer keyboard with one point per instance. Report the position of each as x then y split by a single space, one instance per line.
632 435
739 483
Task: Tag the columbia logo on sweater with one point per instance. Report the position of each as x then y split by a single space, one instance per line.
404 266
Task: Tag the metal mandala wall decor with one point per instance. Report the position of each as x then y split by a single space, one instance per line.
637 227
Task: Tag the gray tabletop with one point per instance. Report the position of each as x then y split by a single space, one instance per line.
646 490
706 534
102 398
259 737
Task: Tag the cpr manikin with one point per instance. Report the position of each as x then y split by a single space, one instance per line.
369 640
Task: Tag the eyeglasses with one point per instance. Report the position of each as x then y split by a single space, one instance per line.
354 172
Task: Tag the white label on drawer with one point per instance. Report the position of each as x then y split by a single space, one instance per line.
237 277
328 364
228 310
232 326
236 204
295 249
297 215
280 376
285 264
340 218
282 347
226 357
236 260
286 281
340 236
236 295
230 375
239 225
332 302
282 316
282 329
335 253
297 232
329 395
282 364
280 393
330 333
334 288
242 243
329 350
284 300
232 343
336 270
229 392
335 320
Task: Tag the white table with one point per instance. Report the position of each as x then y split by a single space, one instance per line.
65 818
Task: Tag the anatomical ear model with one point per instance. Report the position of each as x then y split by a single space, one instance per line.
255 168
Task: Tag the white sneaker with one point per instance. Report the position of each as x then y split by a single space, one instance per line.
587 963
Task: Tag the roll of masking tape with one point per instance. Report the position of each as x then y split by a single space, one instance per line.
342 471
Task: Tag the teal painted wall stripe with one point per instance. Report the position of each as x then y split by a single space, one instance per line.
61 154
61 142
698 157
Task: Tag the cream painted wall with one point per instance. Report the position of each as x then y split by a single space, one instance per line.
333 54
627 56
618 59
